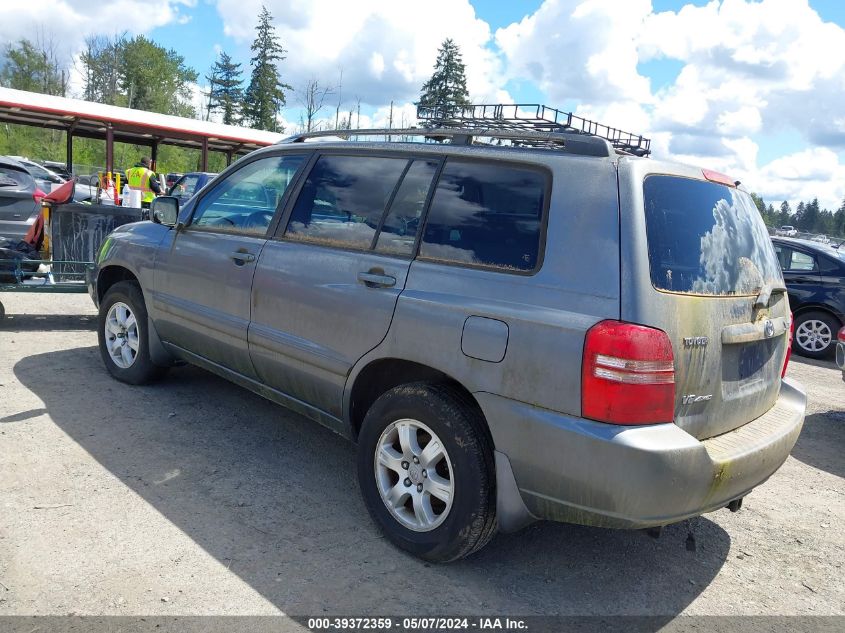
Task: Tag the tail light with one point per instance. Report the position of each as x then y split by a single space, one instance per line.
841 335
789 344
627 374
38 194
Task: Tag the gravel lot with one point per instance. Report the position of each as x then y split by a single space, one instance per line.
196 497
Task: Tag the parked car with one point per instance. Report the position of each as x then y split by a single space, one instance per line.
187 185
815 279
787 231
44 178
19 199
508 333
60 169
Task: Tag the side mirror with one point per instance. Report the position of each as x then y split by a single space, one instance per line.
165 210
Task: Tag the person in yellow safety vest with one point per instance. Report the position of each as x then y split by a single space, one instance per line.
142 178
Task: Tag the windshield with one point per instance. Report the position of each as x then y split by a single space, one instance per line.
706 238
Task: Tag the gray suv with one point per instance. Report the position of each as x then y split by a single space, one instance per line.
507 333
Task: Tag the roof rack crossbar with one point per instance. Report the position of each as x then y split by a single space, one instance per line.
528 116
575 143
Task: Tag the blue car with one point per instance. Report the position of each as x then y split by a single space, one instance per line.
189 184
815 280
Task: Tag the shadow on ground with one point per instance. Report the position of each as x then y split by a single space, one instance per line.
826 363
822 442
273 497
47 322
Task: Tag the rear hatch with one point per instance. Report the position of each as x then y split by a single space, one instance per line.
702 268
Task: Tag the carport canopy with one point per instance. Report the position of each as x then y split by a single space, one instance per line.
113 124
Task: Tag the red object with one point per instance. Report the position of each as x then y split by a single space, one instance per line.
37 195
627 374
715 176
61 195
35 235
841 334
789 345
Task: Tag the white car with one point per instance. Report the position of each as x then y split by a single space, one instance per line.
787 231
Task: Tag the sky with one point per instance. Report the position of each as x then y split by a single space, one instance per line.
752 88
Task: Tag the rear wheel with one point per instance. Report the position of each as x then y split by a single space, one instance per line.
425 467
124 337
815 334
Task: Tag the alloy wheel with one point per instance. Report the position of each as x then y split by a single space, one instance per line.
414 475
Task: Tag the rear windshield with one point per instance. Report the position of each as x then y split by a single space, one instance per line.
706 238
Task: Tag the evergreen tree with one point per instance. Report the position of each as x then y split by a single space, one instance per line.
785 214
225 89
265 94
839 220
807 216
761 206
448 84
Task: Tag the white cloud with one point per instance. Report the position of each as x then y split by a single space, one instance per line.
386 48
804 175
584 51
68 22
746 68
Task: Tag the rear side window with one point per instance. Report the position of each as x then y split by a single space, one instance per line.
185 187
343 200
13 179
796 261
486 214
706 238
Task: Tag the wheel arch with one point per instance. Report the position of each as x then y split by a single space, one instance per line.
818 307
382 374
108 276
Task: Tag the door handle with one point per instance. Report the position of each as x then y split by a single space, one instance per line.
376 280
241 258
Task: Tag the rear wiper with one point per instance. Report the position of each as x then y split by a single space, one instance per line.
766 291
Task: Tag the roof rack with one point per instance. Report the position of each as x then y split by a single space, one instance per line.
567 142
529 116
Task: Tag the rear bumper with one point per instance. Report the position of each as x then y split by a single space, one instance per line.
580 471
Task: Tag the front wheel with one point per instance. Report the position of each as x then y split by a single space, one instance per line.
124 337
815 334
425 467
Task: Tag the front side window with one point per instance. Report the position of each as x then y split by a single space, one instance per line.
246 200
486 214
343 200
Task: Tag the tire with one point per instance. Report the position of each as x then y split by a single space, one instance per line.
815 334
449 530
123 336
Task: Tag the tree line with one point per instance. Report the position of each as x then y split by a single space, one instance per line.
807 217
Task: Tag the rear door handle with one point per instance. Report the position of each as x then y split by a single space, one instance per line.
376 280
241 258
